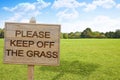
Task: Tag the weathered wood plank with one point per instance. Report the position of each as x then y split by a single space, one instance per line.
36 44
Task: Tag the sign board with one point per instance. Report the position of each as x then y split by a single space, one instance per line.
32 44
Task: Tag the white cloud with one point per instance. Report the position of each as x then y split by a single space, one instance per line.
99 23
90 7
87 6
100 3
105 23
25 20
15 17
41 4
67 14
74 5
21 7
1 23
118 6
26 10
105 3
69 11
67 4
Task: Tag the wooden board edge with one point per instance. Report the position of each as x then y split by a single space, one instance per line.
33 24
4 53
38 64
59 44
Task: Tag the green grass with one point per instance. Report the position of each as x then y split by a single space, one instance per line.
80 59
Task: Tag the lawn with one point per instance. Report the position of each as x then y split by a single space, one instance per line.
80 59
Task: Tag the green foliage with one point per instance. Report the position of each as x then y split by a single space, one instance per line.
71 35
75 35
87 33
80 59
65 35
98 35
117 33
61 35
110 34
1 33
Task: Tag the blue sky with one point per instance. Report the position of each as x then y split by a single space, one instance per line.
73 15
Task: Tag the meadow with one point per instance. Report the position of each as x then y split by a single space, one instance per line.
80 59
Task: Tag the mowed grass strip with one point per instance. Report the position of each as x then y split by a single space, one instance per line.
80 59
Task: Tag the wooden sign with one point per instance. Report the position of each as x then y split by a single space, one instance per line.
32 44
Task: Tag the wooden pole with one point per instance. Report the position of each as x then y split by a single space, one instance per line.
31 67
30 72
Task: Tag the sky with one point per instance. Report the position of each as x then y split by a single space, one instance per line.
72 15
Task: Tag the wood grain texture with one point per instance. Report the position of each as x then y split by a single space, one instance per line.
30 72
28 47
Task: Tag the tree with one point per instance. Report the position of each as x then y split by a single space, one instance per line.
1 33
117 33
95 34
110 34
102 35
65 35
87 33
71 35
61 35
77 35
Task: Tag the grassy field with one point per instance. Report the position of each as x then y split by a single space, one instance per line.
82 59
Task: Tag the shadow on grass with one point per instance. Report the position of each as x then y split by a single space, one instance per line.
75 67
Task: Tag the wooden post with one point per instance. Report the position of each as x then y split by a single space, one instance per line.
31 67
30 72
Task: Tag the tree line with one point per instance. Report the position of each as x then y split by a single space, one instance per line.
1 33
88 33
